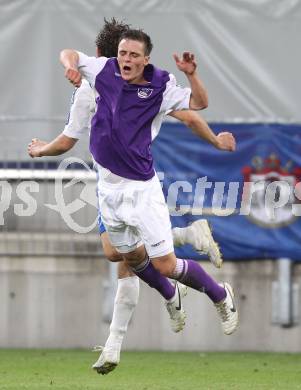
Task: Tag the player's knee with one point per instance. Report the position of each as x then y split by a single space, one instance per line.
133 262
135 257
165 267
109 251
112 255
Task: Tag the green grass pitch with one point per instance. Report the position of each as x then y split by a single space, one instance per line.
70 369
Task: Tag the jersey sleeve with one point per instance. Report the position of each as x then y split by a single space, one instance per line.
175 97
81 111
89 67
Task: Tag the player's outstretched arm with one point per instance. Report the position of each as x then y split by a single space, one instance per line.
222 141
61 144
79 119
188 65
69 59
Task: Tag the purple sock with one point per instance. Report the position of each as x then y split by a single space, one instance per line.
190 273
147 272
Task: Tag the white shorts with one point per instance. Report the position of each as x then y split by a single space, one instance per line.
135 213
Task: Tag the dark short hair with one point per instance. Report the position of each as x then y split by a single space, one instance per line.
140 36
108 38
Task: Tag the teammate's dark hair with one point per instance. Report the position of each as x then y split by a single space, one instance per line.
109 36
141 36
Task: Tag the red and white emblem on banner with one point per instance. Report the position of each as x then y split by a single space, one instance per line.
272 191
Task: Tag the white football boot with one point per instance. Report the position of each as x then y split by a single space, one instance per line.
202 240
228 311
108 360
175 308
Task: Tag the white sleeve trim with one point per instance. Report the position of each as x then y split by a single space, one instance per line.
175 97
156 124
89 67
76 135
81 111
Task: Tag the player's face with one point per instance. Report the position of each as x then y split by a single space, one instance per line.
132 60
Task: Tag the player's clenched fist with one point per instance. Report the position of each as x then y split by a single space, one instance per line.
226 141
74 76
35 147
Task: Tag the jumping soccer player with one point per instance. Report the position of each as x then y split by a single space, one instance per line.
133 98
198 234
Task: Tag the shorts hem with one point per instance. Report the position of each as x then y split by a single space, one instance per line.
161 253
123 249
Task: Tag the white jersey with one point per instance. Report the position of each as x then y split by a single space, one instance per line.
81 111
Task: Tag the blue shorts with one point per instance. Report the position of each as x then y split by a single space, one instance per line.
101 226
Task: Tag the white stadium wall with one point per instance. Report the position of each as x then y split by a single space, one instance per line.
60 302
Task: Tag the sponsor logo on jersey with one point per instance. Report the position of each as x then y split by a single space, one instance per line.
158 243
144 93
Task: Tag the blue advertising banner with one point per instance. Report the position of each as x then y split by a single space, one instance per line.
252 197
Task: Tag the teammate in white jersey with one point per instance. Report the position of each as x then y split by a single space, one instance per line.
197 234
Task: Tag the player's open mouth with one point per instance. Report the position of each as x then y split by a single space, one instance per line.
126 68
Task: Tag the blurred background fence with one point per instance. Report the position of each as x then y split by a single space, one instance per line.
48 210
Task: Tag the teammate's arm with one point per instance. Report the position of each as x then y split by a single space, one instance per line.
69 59
79 119
188 65
61 144
78 65
222 141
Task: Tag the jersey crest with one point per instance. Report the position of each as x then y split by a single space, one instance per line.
144 93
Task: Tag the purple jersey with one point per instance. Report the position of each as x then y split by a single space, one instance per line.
129 116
